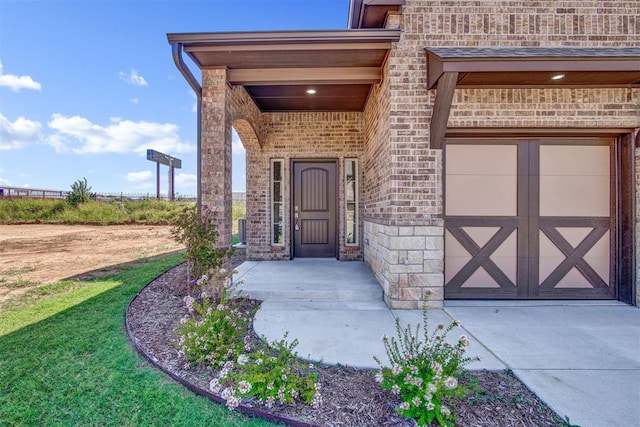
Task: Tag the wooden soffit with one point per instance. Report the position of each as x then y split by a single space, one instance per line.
277 68
486 68
535 67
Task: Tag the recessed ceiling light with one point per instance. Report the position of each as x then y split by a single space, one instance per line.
311 91
557 77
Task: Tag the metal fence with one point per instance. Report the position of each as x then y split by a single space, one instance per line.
39 193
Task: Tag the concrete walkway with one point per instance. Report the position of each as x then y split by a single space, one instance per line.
581 358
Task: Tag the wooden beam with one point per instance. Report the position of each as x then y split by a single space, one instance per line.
296 76
441 108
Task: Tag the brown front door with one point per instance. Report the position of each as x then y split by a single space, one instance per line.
314 208
529 219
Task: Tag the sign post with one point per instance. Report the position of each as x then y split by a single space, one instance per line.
165 159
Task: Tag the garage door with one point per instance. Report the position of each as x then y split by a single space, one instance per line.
529 219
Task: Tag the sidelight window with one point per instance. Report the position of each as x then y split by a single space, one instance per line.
277 202
351 201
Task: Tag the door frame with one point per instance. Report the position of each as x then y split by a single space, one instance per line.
621 199
336 218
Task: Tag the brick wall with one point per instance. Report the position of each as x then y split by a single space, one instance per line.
289 136
411 194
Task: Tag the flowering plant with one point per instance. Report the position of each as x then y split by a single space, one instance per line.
424 373
213 330
271 374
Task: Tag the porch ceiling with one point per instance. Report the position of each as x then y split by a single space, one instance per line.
277 68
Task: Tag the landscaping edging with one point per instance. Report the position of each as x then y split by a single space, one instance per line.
247 410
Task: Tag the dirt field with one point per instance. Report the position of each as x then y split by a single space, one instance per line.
31 255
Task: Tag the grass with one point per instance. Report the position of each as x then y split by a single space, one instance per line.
65 359
16 211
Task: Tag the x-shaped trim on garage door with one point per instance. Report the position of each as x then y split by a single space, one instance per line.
574 256
481 256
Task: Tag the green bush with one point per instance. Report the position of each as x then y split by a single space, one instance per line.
198 232
80 192
271 374
425 373
213 331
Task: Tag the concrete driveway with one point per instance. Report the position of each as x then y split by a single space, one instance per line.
581 358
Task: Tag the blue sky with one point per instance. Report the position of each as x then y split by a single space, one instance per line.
86 87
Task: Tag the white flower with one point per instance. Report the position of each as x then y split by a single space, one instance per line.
445 411
379 377
214 385
432 388
451 383
395 389
404 406
463 340
242 359
416 401
384 337
396 369
232 403
436 367
188 301
430 406
244 387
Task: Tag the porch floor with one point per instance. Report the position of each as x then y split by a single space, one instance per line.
581 357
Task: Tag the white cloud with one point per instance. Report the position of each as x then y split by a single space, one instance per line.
18 134
186 180
133 79
236 144
134 100
4 181
58 143
15 83
138 176
121 136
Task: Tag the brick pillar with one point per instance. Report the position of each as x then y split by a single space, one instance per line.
215 173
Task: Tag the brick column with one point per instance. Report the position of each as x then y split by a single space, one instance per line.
215 173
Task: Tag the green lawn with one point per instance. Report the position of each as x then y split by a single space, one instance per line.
65 359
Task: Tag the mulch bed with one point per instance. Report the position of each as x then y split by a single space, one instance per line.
351 397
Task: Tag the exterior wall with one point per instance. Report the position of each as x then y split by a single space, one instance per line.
411 197
286 136
291 136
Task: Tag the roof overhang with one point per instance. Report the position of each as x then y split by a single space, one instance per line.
475 67
277 68
372 13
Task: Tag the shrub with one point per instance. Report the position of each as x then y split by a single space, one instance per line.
425 373
213 331
80 192
271 374
199 233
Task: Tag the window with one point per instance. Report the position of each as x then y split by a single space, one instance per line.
351 201
277 202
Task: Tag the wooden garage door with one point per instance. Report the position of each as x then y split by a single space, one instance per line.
529 219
